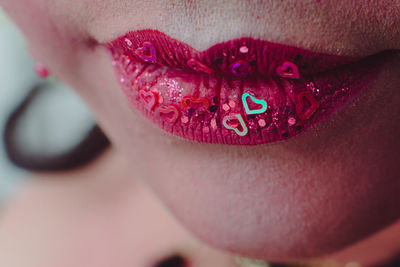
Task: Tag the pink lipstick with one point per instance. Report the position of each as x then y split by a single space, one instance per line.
240 92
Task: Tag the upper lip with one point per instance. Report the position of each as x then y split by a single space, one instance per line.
267 55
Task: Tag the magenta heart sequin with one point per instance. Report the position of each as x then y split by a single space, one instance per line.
288 70
147 52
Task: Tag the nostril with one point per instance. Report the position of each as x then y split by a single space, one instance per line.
173 261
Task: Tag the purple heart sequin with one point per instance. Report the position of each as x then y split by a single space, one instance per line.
147 52
240 68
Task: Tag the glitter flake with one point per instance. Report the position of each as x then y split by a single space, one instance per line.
244 49
262 123
206 130
128 42
226 107
185 119
198 66
291 121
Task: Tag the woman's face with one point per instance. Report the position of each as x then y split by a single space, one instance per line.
310 194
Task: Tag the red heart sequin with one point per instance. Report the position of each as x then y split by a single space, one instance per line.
314 105
190 101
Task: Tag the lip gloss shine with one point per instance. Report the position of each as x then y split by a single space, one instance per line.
240 92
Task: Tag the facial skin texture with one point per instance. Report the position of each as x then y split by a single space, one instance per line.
316 193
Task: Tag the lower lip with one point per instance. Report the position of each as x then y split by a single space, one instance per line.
214 108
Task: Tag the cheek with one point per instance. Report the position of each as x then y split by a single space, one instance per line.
34 20
53 40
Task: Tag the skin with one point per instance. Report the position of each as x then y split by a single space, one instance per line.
314 194
49 225
46 219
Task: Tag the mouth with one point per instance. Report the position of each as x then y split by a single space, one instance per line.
240 92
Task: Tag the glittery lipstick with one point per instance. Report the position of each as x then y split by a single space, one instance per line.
240 92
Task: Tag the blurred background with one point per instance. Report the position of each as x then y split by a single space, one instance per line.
43 123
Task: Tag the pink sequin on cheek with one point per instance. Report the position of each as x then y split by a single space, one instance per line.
41 70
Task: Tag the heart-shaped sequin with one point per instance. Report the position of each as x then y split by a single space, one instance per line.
198 66
240 68
233 121
314 105
149 99
288 70
169 113
195 102
255 100
147 52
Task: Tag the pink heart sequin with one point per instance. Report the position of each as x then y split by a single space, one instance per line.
147 52
288 70
169 113
149 98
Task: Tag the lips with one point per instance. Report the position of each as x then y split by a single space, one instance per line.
241 92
